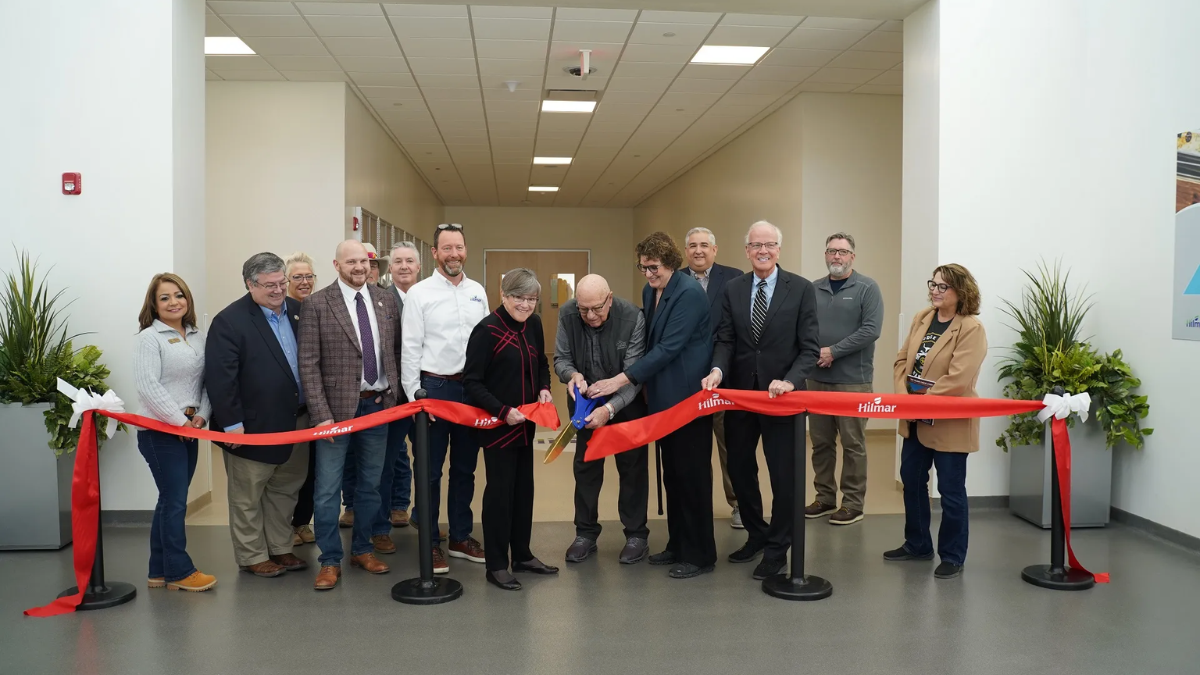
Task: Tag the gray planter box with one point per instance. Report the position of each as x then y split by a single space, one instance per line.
1091 478
35 486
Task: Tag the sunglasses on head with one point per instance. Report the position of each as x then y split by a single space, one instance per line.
450 226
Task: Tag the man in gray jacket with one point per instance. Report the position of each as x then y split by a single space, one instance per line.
850 313
600 337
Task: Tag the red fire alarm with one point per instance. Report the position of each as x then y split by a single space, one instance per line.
71 184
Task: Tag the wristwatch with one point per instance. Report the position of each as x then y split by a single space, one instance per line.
612 412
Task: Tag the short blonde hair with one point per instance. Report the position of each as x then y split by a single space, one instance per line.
297 258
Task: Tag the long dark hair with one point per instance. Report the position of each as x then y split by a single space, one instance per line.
150 307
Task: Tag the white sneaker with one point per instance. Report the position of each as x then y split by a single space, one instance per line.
735 520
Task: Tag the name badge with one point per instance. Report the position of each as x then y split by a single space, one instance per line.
172 341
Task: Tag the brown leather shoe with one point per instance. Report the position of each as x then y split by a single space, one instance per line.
346 520
399 518
440 566
289 562
467 549
383 544
328 577
266 568
370 563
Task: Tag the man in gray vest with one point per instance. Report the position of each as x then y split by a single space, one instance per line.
850 314
599 337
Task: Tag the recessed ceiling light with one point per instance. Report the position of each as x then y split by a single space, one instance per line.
542 188
551 160
729 56
568 106
226 45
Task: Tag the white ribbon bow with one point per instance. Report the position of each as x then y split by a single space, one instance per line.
1061 407
83 400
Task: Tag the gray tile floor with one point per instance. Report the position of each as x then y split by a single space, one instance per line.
601 617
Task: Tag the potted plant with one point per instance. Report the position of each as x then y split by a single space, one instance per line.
35 350
1050 352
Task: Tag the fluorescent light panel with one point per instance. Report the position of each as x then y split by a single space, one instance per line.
543 188
551 160
226 45
568 106
729 56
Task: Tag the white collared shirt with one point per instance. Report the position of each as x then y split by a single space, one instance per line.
438 319
348 293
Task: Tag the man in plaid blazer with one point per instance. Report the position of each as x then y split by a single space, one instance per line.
349 348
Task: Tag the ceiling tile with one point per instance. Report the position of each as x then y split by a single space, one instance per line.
658 53
391 93
732 108
510 49
771 87
260 25
701 86
841 24
250 75
616 97
689 101
439 81
369 64
638 84
362 46
595 82
709 72
705 18
351 26
428 65
574 14
210 75
339 9
608 109
525 84
232 7
525 92
893 77
214 27
394 115
511 29
844 75
409 109
315 75
831 87
867 60
436 93
221 64
639 69
303 62
679 34
427 27
746 98
426 10
821 38
525 107
591 31
881 41
512 12
799 57
287 46
892 26
439 47
750 36
383 79
780 73
891 89
760 20
899 67
505 67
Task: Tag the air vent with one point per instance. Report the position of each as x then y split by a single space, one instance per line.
572 95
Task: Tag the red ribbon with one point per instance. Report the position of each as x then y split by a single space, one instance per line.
85 483
1062 462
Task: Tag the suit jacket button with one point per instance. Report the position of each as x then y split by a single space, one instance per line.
758 352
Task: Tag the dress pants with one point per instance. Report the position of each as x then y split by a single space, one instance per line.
915 461
172 462
718 421
507 505
687 477
304 501
824 431
262 499
370 446
632 497
779 446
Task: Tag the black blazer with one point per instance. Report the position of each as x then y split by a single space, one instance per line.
248 377
506 367
678 343
788 348
718 276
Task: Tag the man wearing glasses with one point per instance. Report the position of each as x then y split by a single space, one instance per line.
850 314
599 337
439 313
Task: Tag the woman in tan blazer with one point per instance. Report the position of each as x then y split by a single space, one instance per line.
946 345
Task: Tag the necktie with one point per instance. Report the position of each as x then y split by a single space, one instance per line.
370 368
758 314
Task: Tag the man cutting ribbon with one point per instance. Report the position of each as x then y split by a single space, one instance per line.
599 337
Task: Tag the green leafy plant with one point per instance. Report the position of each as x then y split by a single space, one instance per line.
35 350
1049 352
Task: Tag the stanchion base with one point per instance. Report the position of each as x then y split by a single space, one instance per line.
1066 580
114 593
435 592
806 588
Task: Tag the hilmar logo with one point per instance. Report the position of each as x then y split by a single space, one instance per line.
1194 323
486 421
335 430
876 406
715 402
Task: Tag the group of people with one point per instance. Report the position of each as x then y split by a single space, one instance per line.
288 356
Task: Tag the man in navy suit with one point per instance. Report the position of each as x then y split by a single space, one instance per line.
701 257
677 357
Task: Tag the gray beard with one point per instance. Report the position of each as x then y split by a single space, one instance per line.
836 270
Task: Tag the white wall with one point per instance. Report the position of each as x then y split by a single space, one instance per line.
110 90
1057 140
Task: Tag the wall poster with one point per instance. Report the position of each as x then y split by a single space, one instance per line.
1185 312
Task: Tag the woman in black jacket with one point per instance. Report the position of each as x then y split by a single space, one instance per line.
506 367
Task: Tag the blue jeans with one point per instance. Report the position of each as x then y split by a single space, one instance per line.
915 462
369 447
464 457
172 463
396 482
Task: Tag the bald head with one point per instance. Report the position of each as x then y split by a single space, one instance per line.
351 263
350 247
591 295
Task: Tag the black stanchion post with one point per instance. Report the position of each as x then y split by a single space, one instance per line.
425 589
101 594
795 585
1057 576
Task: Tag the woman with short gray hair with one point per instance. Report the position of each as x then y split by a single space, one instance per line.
507 367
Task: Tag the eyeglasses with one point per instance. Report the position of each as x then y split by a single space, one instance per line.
838 251
303 277
587 311
272 287
652 269
759 245
935 286
524 299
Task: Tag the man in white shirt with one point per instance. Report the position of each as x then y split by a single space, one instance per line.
439 314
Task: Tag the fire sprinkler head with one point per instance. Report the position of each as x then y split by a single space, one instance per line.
512 86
